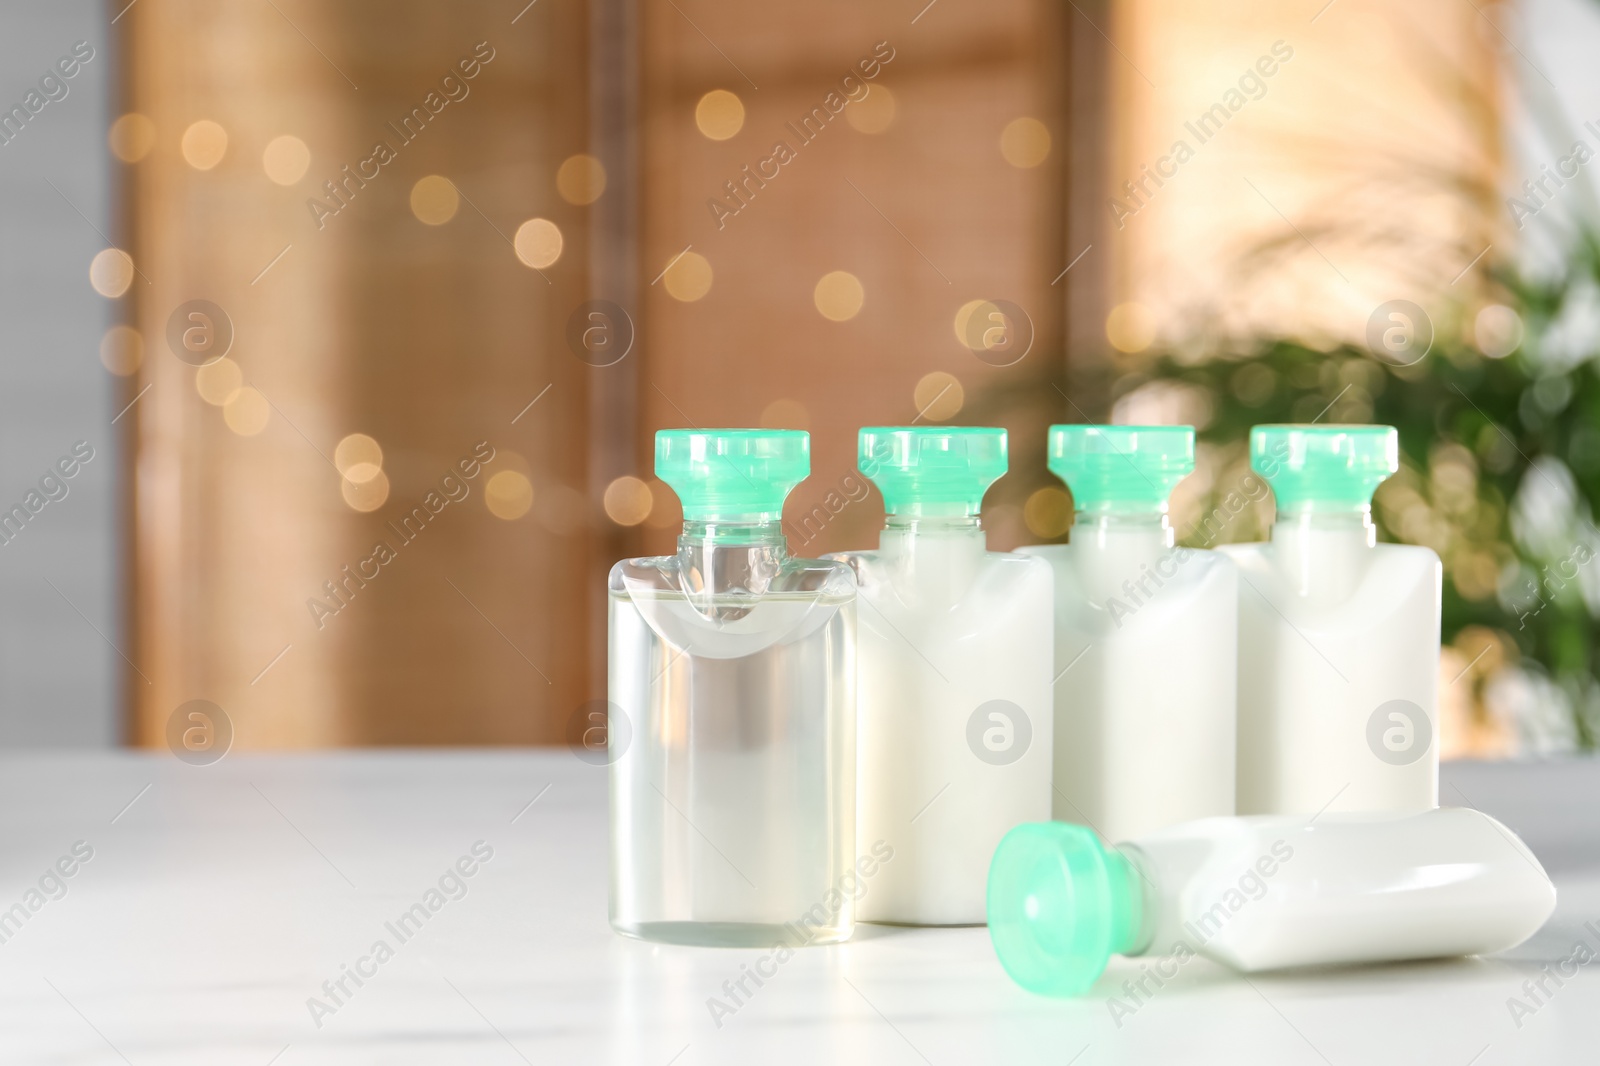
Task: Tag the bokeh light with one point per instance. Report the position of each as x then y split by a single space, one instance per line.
964 318
1130 327
358 457
688 278
218 381
873 113
286 159
508 494
627 501
434 200
131 137
538 243
938 396
838 296
204 144
785 414
122 350
581 179
1048 512
719 114
111 272
247 412
367 495
981 325
1025 142
1497 331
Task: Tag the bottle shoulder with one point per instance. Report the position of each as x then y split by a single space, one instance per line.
1357 588
871 565
648 570
1420 553
1179 563
1389 555
665 573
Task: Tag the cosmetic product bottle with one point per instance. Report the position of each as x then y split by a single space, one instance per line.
732 691
954 661
1145 658
1338 636
1261 893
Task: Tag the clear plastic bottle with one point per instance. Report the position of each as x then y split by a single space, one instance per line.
1144 640
953 701
1262 893
733 665
1338 636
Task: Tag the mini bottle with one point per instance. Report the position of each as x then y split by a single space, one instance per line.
953 701
1261 893
1338 636
1144 645
732 684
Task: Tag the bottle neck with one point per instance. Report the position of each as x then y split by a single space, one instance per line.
1122 528
734 532
933 558
1133 896
1322 554
1353 524
717 555
935 525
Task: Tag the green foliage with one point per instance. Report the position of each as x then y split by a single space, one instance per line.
1500 459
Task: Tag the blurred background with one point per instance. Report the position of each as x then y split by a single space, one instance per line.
338 334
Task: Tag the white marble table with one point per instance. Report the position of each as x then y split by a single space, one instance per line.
219 899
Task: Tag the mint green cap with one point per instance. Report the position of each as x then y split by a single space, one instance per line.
729 474
1060 905
1324 468
925 470
1121 468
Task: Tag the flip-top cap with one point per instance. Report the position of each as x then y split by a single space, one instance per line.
729 474
1324 468
1121 468
1060 905
932 469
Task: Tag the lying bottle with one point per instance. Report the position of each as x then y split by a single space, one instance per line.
953 702
732 679
1145 640
1262 893
1338 635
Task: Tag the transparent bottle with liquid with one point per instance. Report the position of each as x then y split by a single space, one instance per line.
1338 635
953 701
733 664
1261 893
1144 640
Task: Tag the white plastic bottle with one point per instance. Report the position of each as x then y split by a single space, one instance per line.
1262 893
1338 636
954 664
1145 655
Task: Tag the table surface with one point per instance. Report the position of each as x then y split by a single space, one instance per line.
219 899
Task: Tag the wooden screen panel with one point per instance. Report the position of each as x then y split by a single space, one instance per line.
430 339
927 214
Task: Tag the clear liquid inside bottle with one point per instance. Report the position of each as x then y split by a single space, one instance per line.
732 805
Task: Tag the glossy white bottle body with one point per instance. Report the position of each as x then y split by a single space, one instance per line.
1338 670
1144 698
945 630
1277 891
